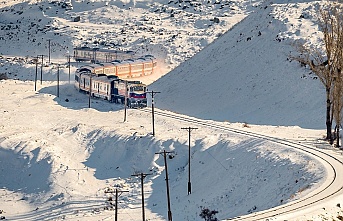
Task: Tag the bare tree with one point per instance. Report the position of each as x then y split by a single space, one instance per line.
324 61
338 83
338 105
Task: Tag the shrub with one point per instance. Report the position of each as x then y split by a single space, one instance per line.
208 215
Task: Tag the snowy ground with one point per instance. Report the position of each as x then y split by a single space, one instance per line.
58 157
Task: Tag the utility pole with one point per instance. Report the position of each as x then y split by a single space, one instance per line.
142 175
116 209
125 102
189 129
90 90
168 197
41 68
152 107
116 201
68 57
49 49
58 80
36 61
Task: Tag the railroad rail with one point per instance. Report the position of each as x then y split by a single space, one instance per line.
330 188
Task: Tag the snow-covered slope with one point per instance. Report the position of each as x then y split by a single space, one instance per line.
246 76
58 158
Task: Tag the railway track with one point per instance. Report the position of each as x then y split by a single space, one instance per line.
330 188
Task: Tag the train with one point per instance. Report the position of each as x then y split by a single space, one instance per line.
111 88
106 80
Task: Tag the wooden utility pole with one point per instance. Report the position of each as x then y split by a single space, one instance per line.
49 40
90 90
58 80
41 68
68 57
152 108
116 206
189 129
167 183
142 175
125 102
36 61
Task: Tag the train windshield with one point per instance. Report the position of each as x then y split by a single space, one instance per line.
138 88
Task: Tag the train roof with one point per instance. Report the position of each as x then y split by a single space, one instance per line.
149 56
102 77
103 50
91 67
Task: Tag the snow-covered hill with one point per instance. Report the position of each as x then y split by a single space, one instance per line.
172 30
246 76
58 157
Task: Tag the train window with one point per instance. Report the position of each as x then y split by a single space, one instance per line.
137 88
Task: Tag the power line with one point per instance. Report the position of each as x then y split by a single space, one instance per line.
217 160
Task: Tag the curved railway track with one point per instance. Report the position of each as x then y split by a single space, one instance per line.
330 188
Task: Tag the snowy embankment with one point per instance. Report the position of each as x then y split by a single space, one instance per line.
59 157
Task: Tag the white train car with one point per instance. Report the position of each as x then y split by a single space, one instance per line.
95 55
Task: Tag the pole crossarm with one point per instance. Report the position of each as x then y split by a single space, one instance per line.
142 174
153 93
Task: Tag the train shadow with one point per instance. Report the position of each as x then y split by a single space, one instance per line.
69 97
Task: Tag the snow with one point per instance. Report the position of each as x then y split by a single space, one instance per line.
59 158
